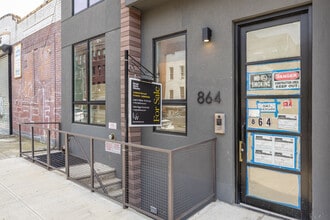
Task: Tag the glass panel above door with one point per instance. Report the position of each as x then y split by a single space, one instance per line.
280 41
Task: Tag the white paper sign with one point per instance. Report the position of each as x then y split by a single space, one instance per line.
113 147
274 150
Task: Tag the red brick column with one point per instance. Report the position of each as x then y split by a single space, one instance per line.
131 40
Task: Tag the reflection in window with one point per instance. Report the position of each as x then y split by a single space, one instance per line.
80 5
280 41
182 92
97 80
92 2
171 73
80 113
170 67
80 72
171 94
174 118
98 114
182 72
89 82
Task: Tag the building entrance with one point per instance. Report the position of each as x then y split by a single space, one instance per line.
274 116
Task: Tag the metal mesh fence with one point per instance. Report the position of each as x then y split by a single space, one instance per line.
154 179
101 170
182 178
193 176
43 144
161 183
93 162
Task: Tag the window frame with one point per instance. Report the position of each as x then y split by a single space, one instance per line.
89 103
88 6
173 102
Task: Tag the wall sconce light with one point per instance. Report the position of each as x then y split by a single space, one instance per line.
207 33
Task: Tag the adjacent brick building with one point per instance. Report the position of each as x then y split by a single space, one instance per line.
36 64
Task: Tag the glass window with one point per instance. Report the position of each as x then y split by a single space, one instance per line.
89 82
274 42
97 76
92 2
171 72
171 94
98 114
182 92
80 113
182 72
80 72
170 67
80 5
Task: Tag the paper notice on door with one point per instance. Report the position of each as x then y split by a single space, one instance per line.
274 150
284 152
288 122
263 149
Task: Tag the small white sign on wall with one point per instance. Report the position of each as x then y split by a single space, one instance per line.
17 61
113 125
113 147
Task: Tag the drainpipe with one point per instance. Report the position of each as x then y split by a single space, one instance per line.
8 49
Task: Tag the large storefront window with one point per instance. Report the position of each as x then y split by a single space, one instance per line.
89 82
170 67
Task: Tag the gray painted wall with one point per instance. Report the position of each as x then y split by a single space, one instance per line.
321 106
210 67
102 18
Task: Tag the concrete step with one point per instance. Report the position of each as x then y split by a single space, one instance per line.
109 184
106 174
82 171
116 194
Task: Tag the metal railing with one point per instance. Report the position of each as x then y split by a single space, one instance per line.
75 155
169 184
160 183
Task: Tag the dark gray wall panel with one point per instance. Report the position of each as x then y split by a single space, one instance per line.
320 109
210 67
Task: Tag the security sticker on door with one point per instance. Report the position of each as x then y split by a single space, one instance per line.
274 114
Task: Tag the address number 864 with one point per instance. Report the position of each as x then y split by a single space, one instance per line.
208 98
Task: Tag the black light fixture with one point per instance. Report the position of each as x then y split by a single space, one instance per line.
5 48
207 33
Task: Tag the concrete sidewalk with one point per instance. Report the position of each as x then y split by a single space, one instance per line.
29 191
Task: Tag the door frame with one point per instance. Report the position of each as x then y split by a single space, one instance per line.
306 168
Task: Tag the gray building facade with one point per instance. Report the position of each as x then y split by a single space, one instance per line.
263 74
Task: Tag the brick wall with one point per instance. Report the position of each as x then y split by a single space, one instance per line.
37 94
131 41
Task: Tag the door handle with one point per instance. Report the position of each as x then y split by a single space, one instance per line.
241 150
241 142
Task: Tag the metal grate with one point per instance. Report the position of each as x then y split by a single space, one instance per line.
57 160
154 183
193 170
